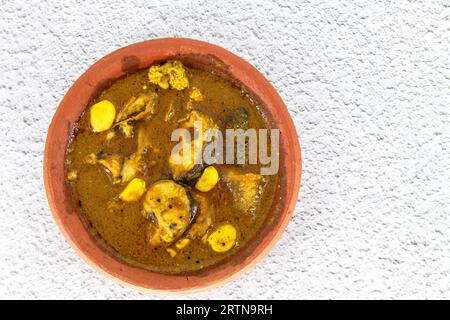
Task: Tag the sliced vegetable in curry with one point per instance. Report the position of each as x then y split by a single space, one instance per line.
154 208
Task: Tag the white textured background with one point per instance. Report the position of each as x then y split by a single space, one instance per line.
367 83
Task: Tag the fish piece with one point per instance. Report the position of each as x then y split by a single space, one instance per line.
246 189
111 163
132 165
138 108
126 127
143 140
185 168
197 116
172 208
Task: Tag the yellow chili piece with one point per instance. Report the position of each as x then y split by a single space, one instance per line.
223 238
133 191
103 114
207 180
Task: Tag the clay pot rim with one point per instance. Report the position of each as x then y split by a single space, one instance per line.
124 61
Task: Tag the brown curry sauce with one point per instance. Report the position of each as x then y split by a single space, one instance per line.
123 226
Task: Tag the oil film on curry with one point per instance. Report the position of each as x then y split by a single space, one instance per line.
174 168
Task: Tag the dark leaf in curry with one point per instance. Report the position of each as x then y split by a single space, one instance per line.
237 119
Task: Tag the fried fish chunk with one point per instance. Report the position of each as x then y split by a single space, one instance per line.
246 188
185 167
111 163
172 210
138 108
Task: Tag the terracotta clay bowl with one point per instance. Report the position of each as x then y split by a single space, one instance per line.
128 60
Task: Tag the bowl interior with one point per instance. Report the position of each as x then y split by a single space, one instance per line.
128 60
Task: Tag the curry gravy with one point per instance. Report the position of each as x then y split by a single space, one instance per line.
213 224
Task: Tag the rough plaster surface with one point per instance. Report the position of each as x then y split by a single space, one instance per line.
367 83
